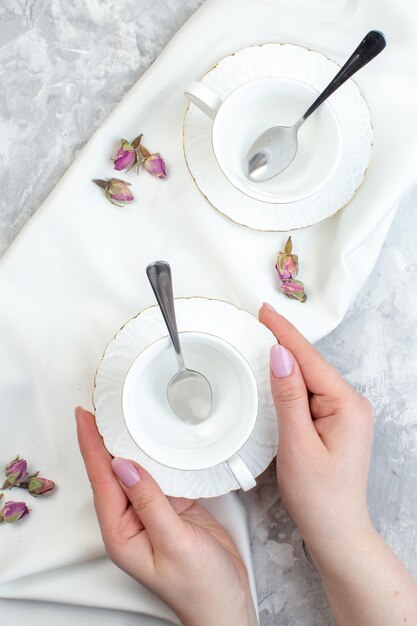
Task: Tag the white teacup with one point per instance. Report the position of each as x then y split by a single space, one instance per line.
254 107
174 443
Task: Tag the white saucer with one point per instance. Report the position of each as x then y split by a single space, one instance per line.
285 61
240 329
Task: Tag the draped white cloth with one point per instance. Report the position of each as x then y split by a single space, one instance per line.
76 273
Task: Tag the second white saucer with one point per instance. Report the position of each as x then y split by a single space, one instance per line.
238 328
286 61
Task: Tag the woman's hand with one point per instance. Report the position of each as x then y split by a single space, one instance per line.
325 436
172 546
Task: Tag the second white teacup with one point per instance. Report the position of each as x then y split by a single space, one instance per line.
256 106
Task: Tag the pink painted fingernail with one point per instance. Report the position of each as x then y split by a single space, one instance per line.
270 307
282 362
125 471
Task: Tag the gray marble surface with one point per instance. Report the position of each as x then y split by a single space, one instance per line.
56 90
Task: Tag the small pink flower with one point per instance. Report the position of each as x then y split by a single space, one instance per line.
38 486
16 472
287 269
116 190
294 289
155 165
287 263
125 156
13 511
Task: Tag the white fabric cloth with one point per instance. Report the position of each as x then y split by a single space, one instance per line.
76 273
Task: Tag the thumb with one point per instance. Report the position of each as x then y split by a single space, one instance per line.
290 396
151 505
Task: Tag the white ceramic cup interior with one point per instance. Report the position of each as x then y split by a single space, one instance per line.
163 436
258 105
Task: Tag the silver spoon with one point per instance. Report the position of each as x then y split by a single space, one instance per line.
276 148
189 392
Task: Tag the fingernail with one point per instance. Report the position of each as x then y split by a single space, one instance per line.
269 306
76 410
125 471
282 362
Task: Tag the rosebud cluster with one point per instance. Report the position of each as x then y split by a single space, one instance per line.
17 476
127 155
133 153
287 269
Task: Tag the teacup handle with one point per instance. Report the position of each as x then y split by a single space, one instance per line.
204 98
241 472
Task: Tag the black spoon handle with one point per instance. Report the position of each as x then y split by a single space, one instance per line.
370 46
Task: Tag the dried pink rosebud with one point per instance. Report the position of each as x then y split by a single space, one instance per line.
38 486
287 263
125 156
294 289
287 269
16 472
13 511
116 190
153 163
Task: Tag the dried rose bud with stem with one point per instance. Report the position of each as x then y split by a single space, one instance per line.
116 190
13 511
125 156
287 269
16 472
38 486
154 164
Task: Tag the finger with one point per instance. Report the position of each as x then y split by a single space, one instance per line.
109 498
180 505
162 523
320 377
291 399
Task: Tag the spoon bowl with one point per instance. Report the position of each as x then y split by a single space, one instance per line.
190 396
273 151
